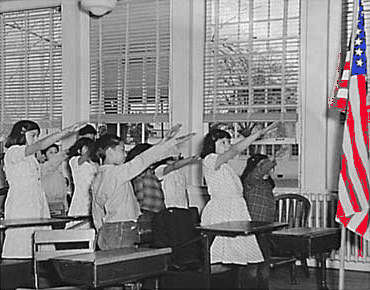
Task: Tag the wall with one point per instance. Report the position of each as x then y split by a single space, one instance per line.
321 134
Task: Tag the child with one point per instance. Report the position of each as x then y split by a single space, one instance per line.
52 179
25 198
83 171
146 185
258 186
174 180
226 202
113 195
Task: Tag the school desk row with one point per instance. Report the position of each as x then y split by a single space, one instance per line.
102 268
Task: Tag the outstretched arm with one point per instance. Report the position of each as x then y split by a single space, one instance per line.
180 163
237 148
52 138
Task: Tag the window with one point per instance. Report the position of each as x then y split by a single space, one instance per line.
31 67
251 74
129 64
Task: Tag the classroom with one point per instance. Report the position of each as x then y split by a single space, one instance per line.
184 144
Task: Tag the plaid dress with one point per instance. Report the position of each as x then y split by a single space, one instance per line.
259 197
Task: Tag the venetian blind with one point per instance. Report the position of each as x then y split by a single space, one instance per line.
252 60
129 63
31 67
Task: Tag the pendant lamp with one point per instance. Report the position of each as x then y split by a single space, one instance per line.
98 7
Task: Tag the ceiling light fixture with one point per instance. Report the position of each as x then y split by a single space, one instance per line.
98 7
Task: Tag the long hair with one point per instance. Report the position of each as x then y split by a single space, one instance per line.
98 153
75 149
17 135
209 142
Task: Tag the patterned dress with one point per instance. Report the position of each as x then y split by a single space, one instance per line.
25 199
227 204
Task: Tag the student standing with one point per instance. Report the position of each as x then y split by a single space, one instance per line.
25 198
258 192
227 202
83 172
113 196
174 183
53 181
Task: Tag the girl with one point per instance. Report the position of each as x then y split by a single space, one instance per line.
258 186
25 198
257 190
226 202
113 196
52 179
83 171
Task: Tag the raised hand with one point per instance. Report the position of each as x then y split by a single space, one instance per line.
172 132
270 128
75 127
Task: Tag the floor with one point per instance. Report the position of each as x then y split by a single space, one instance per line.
353 280
279 279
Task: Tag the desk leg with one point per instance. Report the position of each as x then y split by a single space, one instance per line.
207 261
323 283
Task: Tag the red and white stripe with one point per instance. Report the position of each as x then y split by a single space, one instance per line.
354 183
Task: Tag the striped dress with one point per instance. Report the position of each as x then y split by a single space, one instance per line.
227 204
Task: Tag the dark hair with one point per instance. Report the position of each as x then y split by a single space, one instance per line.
136 150
102 144
17 135
252 163
88 129
43 152
209 142
74 150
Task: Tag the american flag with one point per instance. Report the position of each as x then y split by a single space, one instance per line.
353 204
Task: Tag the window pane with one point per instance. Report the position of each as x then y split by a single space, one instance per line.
251 75
129 63
31 67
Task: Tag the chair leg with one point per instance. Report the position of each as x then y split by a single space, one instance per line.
293 273
35 274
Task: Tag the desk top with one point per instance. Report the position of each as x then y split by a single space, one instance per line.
242 227
29 222
307 232
116 255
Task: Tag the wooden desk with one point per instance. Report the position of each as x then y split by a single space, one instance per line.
112 267
316 242
30 222
232 229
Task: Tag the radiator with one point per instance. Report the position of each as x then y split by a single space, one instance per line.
323 210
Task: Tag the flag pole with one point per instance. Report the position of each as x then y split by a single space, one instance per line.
342 253
343 229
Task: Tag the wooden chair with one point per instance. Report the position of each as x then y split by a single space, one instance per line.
48 244
293 209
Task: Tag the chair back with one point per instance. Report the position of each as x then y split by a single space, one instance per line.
49 244
175 228
53 243
293 209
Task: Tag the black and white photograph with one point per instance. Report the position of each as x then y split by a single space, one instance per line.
184 144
